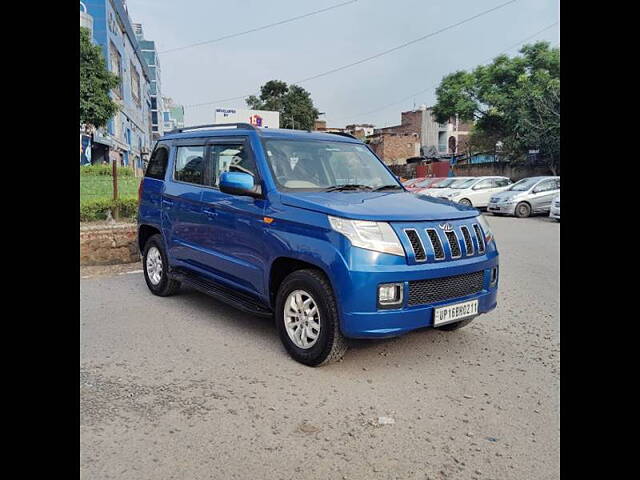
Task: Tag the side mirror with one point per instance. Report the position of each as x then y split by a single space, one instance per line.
239 183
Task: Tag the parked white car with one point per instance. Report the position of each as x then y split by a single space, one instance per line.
476 192
440 191
554 212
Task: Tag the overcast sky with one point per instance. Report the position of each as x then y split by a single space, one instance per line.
328 40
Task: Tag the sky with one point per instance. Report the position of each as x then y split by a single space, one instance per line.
375 91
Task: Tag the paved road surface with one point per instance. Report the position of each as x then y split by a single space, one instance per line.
188 388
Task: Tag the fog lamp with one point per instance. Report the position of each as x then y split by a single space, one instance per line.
390 293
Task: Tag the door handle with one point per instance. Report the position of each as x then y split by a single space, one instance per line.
210 212
167 202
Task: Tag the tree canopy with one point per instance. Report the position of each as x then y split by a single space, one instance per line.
293 102
515 101
96 107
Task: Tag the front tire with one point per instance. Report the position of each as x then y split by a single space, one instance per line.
156 268
466 202
307 319
523 210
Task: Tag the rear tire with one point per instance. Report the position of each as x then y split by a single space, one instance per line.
456 325
523 210
156 268
326 345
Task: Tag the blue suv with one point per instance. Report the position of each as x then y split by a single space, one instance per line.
312 229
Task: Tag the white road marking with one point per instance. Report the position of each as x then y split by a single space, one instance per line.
132 271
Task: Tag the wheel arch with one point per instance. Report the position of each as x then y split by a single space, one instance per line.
145 232
283 266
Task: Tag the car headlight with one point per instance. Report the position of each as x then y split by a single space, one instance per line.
488 234
454 194
376 236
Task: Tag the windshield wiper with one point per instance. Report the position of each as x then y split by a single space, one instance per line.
347 186
388 187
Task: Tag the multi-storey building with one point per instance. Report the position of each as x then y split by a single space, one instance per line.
173 115
441 139
127 137
150 55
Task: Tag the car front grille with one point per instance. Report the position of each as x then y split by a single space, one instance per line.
434 290
435 244
468 243
428 244
416 244
479 237
453 244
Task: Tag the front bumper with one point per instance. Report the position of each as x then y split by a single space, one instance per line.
361 317
504 208
555 212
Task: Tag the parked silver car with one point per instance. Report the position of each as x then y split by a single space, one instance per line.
527 196
555 208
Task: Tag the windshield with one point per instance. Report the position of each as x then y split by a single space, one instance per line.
445 183
321 165
524 184
464 183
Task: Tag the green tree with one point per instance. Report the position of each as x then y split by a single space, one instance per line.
515 101
96 107
293 102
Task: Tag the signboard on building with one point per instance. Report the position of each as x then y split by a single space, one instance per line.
257 118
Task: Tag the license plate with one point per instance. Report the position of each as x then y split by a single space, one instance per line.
454 312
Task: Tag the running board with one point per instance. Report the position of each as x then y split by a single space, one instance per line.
236 299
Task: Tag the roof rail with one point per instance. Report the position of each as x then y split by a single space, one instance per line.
343 134
215 125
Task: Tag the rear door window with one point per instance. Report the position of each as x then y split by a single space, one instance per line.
190 164
545 186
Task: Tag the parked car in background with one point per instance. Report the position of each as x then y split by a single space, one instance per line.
555 208
408 184
425 184
441 189
527 196
476 192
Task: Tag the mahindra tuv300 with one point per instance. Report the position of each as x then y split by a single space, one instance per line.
314 230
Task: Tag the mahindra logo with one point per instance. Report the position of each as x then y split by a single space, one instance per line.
447 227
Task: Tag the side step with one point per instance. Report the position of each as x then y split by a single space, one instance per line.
236 299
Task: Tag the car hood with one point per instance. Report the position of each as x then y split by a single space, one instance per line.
507 195
382 206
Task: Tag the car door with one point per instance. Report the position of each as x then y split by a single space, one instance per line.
481 192
183 216
542 194
235 223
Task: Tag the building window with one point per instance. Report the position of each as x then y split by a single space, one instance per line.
116 66
154 118
154 103
135 84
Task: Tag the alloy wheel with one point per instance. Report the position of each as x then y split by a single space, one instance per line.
302 319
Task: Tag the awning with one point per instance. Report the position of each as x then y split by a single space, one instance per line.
103 140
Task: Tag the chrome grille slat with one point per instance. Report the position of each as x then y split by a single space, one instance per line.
454 244
480 237
436 244
416 244
468 243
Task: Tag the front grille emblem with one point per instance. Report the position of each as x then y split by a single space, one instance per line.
447 227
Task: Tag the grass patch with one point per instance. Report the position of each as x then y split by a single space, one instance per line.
100 187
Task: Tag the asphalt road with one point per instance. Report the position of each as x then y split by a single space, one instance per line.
188 388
